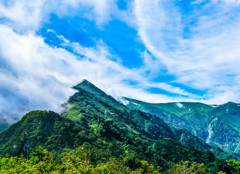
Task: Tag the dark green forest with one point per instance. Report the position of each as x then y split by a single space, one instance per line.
97 134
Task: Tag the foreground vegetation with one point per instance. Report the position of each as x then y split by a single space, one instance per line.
82 160
110 138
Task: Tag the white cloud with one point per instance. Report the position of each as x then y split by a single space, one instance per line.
180 105
28 15
23 13
171 89
208 59
228 1
197 2
43 75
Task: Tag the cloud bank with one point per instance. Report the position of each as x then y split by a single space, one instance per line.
42 76
195 45
206 59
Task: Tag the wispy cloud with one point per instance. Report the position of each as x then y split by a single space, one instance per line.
27 15
34 75
43 75
209 58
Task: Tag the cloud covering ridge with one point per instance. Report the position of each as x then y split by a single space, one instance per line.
156 51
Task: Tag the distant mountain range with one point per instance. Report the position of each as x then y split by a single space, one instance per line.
217 125
161 135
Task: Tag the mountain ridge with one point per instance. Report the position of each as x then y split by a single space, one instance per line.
94 117
209 122
45 128
195 141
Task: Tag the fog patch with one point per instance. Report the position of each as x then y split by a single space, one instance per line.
179 105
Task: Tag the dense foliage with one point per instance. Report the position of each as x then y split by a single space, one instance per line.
81 160
135 130
72 161
44 128
235 164
109 134
216 125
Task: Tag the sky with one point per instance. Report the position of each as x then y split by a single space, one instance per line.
155 51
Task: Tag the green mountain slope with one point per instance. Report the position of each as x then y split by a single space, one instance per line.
44 128
108 129
128 125
56 133
216 125
91 100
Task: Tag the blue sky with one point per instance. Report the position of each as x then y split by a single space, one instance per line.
155 51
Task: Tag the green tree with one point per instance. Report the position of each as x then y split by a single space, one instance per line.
187 168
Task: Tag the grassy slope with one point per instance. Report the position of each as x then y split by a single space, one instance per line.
98 119
198 119
134 127
44 128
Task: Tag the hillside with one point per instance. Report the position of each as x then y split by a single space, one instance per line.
92 101
44 128
127 124
108 129
217 125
